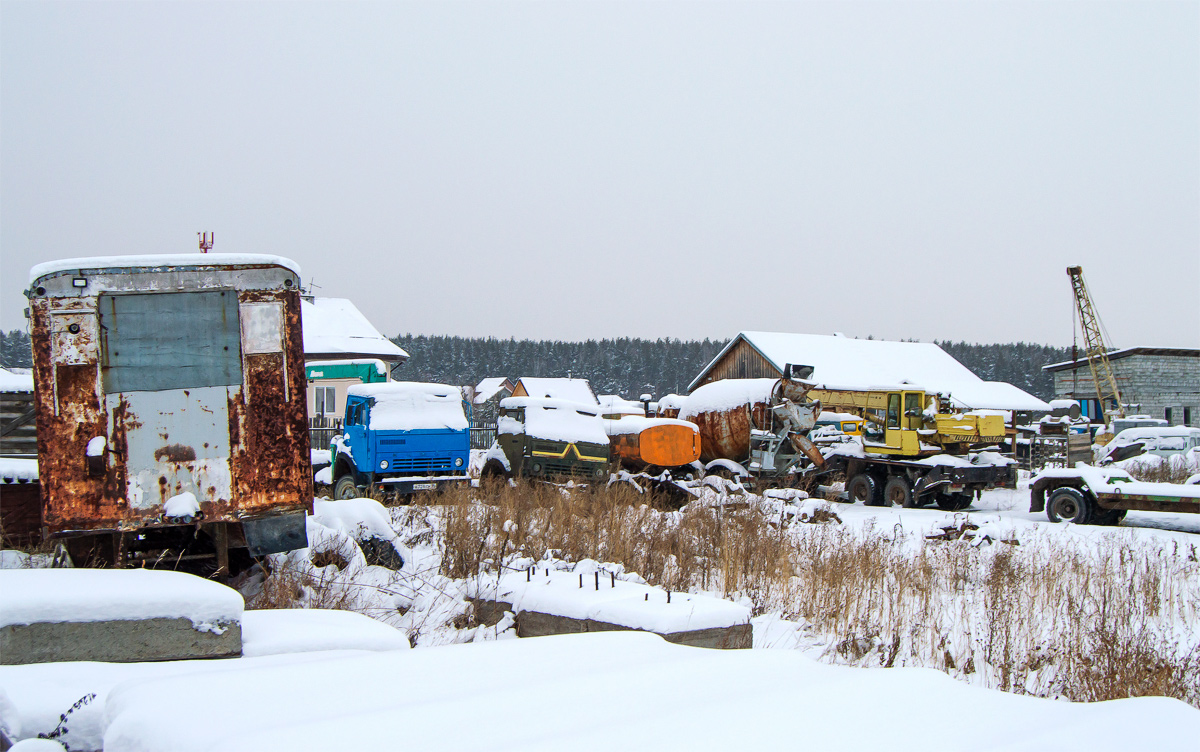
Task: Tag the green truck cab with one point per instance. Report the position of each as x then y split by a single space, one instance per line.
548 438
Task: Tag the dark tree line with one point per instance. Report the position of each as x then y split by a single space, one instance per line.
633 366
626 366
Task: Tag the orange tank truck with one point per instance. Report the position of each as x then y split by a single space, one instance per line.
640 443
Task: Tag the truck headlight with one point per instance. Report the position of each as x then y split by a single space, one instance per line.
383 464
458 461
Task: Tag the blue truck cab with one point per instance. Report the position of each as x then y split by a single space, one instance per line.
403 437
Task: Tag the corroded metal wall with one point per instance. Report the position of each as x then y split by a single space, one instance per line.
241 448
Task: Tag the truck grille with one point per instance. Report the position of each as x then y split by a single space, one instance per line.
422 465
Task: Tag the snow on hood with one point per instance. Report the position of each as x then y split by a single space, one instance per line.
335 325
150 261
412 405
554 420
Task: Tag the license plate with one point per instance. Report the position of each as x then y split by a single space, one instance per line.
424 486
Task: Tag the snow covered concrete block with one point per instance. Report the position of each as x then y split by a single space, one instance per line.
52 615
552 602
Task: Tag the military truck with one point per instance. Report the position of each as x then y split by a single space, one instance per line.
548 438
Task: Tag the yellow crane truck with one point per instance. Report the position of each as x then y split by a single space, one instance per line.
911 453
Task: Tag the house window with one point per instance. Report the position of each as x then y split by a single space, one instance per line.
326 400
1167 415
1187 416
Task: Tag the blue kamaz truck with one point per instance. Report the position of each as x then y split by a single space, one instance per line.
401 437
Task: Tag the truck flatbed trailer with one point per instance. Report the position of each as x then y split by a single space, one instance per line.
1089 495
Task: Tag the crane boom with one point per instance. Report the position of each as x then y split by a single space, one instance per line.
1094 344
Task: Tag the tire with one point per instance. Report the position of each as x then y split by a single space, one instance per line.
1110 517
864 488
345 488
493 470
1068 504
897 492
952 502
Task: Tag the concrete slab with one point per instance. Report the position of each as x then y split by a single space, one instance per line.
118 641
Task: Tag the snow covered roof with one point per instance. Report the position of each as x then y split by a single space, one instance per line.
1179 352
489 388
15 382
334 329
159 260
615 404
554 420
573 390
841 362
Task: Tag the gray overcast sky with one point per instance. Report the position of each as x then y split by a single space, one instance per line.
577 170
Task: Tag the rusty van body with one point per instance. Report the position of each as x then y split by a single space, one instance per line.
171 407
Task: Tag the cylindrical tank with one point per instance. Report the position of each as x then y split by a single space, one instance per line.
726 411
657 442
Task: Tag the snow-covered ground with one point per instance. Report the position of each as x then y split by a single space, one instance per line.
307 683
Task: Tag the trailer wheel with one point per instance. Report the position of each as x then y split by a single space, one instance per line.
897 492
865 489
345 488
952 502
1068 504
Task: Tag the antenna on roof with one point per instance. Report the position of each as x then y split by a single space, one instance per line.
206 241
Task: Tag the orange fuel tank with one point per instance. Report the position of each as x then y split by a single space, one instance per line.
653 442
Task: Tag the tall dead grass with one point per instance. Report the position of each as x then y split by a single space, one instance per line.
1078 618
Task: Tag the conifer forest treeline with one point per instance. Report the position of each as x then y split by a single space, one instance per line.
625 366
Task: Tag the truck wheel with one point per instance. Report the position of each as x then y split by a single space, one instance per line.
952 502
863 488
345 488
1067 504
897 492
493 470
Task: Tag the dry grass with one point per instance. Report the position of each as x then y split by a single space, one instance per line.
1174 469
1080 618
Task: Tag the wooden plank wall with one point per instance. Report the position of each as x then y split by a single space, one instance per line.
741 362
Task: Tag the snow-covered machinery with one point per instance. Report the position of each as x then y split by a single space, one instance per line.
910 453
171 411
543 437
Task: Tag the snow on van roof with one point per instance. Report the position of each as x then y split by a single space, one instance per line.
575 390
412 405
158 260
554 420
842 362
335 326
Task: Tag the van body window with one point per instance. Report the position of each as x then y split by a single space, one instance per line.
171 340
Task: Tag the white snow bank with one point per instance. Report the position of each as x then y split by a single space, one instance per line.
182 506
15 382
726 394
18 470
152 261
614 690
361 519
412 406
306 630
631 424
554 420
615 601
29 596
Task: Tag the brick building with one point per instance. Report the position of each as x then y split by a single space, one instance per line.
1162 382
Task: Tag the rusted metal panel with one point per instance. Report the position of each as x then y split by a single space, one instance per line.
725 434
241 448
658 446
